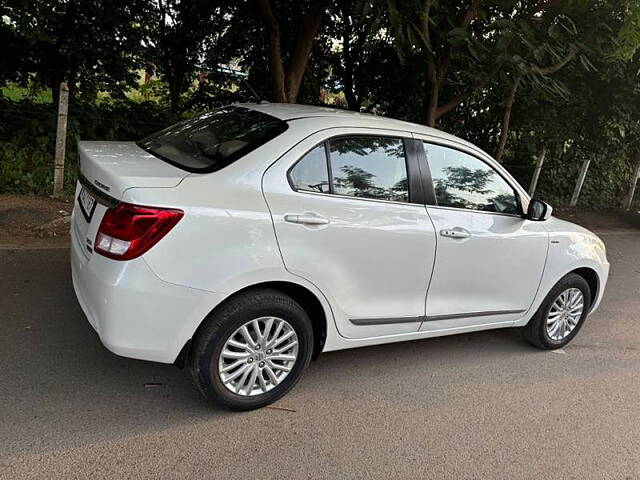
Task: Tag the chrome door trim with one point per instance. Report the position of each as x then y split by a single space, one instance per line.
365 199
385 321
453 316
431 318
469 210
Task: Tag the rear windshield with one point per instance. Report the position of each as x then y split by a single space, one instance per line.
214 140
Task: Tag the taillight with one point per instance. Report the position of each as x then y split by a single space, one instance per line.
127 231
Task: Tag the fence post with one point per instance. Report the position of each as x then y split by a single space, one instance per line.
536 172
634 181
581 177
61 140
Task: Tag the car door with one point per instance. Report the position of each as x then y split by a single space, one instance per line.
347 220
490 259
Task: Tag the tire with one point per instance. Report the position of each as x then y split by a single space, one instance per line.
538 333
255 308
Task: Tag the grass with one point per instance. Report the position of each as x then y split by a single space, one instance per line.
17 93
155 91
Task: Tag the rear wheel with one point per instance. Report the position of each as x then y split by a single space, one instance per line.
252 351
561 315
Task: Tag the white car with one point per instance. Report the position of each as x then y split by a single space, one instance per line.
245 242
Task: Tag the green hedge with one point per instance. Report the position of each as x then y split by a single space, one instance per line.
27 143
27 137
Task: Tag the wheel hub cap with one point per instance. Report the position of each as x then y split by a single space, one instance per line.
258 356
565 313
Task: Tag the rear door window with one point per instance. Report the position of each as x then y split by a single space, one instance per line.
214 140
358 166
369 167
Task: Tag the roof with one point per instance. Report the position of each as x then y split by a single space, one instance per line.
290 111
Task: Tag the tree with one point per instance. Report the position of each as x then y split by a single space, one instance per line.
595 118
182 33
464 44
90 44
554 43
629 34
358 26
287 67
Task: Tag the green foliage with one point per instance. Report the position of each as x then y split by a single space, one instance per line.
27 138
179 33
629 34
91 44
369 55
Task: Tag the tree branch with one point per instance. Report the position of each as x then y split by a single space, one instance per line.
426 33
506 118
470 15
453 103
554 68
458 99
347 31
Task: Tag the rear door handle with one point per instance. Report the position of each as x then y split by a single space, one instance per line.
456 232
306 219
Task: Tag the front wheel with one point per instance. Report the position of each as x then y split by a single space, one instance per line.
252 351
561 314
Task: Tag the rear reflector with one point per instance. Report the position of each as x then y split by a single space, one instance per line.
127 231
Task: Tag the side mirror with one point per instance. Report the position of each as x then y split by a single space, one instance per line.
538 210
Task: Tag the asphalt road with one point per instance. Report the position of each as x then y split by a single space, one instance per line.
484 405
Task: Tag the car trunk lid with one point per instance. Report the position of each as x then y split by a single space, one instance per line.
114 167
106 171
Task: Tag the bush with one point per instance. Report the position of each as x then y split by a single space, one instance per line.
27 144
27 137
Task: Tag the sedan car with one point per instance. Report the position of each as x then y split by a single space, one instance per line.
247 241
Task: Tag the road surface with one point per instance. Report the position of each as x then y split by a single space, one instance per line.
483 405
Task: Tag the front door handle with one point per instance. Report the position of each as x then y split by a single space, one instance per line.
306 219
456 232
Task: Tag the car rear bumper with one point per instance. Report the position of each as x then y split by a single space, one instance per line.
135 313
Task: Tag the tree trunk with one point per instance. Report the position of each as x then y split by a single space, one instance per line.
506 119
347 81
174 92
437 68
55 79
275 56
431 108
275 62
302 49
286 82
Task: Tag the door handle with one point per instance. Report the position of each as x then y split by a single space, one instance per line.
455 232
306 219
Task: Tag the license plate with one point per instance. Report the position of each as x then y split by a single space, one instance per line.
87 204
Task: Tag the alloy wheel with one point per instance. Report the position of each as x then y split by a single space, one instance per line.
258 356
565 313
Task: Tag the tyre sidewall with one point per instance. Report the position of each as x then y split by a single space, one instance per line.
570 281
227 322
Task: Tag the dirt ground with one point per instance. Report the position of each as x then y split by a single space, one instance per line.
30 221
602 220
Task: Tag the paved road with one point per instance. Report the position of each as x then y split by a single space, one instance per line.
482 405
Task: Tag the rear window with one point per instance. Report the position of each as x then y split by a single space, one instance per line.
214 140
